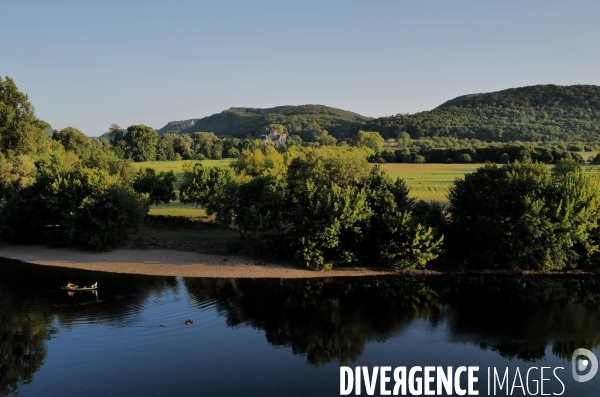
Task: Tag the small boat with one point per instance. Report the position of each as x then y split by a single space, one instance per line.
78 288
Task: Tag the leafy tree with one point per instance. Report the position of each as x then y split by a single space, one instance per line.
103 218
91 209
403 138
464 158
203 186
157 188
595 159
264 161
371 140
323 138
20 131
516 216
74 140
320 225
115 134
141 141
165 148
563 167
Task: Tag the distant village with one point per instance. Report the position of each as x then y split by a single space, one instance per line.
274 138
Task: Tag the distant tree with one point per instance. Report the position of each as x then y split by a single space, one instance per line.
115 134
505 158
232 153
404 138
595 159
323 138
371 140
464 158
563 167
74 140
204 186
155 188
165 149
575 148
142 142
420 159
183 144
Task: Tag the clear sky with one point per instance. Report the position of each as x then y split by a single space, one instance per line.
89 64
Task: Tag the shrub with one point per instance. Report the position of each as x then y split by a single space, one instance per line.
517 216
464 158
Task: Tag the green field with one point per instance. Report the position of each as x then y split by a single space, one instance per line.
428 182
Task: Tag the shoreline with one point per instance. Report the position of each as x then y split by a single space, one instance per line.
164 262
174 263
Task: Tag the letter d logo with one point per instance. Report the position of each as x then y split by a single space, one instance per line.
581 365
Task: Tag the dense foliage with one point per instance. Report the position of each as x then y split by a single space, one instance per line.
322 207
70 189
519 216
536 113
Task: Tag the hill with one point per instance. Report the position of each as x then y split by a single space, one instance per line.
175 127
535 113
243 122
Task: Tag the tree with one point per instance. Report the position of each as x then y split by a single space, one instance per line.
203 186
595 159
157 188
371 140
404 138
20 131
563 167
183 144
115 134
517 216
323 138
165 148
464 158
74 140
141 141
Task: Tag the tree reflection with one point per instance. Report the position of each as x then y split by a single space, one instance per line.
333 319
323 319
31 303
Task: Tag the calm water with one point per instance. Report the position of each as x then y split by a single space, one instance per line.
279 337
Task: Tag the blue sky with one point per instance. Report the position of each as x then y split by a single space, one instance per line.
89 64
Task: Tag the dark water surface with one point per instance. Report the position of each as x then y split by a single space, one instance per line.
281 337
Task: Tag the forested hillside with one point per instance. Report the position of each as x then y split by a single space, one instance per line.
297 120
536 113
175 127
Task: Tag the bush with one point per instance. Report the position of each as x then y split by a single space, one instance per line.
575 148
449 161
464 158
155 188
102 219
518 216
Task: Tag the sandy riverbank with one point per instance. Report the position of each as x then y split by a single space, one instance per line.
159 262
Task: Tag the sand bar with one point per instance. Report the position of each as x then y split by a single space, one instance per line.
162 262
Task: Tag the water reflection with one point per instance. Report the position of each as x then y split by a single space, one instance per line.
327 319
33 309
